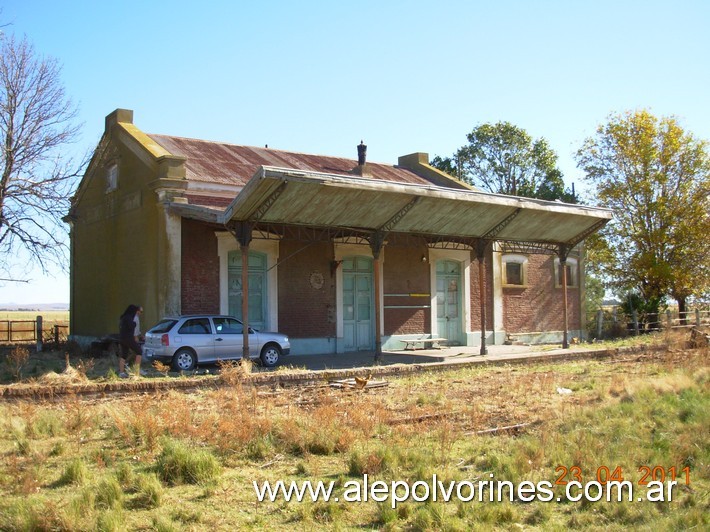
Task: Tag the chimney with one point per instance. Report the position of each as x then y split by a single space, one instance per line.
362 169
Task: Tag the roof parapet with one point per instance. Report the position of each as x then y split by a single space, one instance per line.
418 163
124 116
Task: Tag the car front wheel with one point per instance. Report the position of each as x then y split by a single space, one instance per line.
270 355
184 360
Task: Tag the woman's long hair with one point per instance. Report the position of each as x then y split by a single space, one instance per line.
130 311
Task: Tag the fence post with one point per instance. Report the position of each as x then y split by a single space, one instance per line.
635 317
38 333
600 323
697 317
669 321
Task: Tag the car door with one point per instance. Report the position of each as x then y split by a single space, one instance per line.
196 333
229 339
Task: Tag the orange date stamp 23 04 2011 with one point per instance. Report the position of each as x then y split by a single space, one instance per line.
604 474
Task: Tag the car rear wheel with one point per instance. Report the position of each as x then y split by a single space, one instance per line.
270 355
184 360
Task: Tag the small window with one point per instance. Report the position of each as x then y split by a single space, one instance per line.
513 273
515 270
572 275
196 326
112 178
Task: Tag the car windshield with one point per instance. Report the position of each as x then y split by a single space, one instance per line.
163 326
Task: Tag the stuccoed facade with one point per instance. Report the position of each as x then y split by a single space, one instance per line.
156 220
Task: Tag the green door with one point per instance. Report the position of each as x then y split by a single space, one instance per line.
257 287
448 300
358 304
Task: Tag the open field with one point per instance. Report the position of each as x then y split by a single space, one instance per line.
23 328
48 315
177 461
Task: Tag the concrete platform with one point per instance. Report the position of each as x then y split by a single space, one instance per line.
446 355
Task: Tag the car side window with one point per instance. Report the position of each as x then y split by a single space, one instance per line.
228 326
195 326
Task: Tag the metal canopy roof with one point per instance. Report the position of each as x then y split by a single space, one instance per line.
293 197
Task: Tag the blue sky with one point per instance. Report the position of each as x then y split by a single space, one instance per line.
403 76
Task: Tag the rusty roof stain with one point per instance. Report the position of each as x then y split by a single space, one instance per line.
231 164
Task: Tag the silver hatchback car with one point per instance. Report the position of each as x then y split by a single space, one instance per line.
185 341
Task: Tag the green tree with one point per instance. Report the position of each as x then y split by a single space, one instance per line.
36 176
504 159
655 176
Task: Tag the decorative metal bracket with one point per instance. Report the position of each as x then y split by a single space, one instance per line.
493 232
377 240
265 205
584 234
242 232
563 252
394 220
481 247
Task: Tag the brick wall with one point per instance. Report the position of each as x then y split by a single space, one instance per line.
306 311
309 312
476 291
405 273
208 201
200 268
539 306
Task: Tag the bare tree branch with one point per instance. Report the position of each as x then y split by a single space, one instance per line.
37 123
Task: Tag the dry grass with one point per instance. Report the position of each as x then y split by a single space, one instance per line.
418 425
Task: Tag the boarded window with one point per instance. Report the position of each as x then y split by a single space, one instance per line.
514 273
112 178
514 270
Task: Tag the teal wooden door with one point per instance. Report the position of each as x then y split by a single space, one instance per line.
257 287
358 304
448 300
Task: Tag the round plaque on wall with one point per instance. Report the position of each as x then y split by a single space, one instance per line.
317 280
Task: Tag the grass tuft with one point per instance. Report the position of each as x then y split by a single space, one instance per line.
111 520
179 463
150 492
109 493
75 473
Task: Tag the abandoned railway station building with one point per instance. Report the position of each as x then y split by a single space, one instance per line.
341 254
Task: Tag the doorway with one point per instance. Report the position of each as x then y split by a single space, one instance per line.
448 300
257 287
358 304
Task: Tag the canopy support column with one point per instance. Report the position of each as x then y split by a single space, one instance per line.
376 242
562 253
481 246
242 232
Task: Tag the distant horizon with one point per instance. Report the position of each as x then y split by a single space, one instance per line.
33 306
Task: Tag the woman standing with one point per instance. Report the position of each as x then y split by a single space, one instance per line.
130 348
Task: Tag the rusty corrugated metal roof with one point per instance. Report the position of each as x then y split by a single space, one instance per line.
231 164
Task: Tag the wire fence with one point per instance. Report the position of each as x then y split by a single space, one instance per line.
610 323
